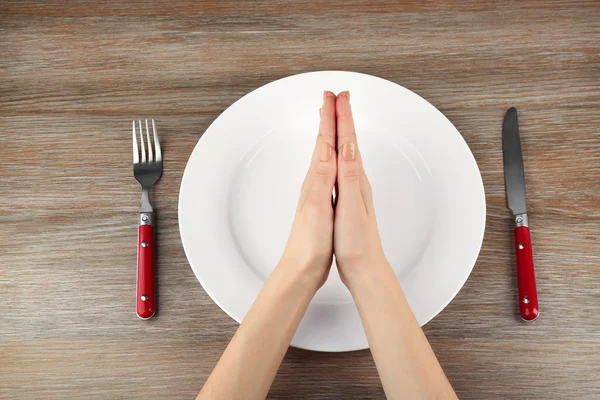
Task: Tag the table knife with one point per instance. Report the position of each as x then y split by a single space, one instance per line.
514 179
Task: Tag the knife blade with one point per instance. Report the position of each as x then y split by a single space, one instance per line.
516 197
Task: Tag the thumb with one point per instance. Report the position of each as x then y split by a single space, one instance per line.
320 180
350 167
350 171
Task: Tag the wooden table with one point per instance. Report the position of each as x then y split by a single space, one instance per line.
73 74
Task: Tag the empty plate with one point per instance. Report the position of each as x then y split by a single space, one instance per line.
241 186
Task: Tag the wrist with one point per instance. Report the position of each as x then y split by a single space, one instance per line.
300 274
370 277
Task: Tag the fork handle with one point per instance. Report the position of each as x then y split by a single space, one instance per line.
145 295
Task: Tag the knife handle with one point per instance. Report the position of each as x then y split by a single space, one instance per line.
145 296
528 301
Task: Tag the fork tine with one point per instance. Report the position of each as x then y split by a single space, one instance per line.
142 142
150 155
136 154
156 143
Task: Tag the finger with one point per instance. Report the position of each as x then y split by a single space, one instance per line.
352 183
323 165
349 167
345 121
326 126
352 179
321 176
349 176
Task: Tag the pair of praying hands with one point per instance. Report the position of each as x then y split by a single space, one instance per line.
348 228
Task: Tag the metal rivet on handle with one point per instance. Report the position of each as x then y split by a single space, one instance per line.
144 217
144 297
526 299
519 219
521 246
144 244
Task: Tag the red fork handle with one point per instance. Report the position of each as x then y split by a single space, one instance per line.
145 296
528 301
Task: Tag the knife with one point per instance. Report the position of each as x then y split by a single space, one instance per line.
514 179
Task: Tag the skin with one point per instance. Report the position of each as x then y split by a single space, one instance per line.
406 364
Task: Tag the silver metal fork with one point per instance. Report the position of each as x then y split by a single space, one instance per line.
147 169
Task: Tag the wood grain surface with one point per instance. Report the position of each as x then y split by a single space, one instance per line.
73 74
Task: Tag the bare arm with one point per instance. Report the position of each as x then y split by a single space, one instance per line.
407 366
252 358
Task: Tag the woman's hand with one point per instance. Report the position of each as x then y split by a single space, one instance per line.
357 244
249 364
310 244
406 364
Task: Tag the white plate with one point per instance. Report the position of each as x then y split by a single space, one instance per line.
241 185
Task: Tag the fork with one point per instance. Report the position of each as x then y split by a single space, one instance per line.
147 169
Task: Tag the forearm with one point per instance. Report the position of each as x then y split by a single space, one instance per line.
250 362
405 361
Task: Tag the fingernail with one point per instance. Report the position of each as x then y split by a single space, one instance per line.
324 95
349 151
325 152
328 94
348 94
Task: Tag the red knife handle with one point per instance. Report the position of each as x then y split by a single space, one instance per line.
528 301
145 296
